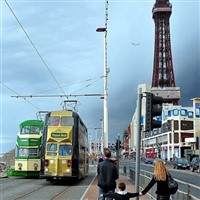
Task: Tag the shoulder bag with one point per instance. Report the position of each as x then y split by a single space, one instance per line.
172 185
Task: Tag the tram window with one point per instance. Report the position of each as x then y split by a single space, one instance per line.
23 152
51 147
67 121
28 152
26 130
53 121
65 150
30 129
35 129
33 152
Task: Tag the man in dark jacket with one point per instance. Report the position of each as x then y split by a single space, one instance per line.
107 175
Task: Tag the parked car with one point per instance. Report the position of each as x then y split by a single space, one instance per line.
194 165
148 161
156 159
181 163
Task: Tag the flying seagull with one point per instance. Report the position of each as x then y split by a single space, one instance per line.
135 44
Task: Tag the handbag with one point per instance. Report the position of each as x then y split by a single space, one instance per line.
172 185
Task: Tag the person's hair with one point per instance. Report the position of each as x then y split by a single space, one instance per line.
122 186
107 152
160 171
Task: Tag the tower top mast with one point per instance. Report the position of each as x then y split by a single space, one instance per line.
163 80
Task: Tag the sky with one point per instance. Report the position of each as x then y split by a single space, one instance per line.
53 47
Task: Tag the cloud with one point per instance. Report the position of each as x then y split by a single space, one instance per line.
64 33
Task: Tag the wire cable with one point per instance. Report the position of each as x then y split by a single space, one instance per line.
87 80
20 96
87 85
35 48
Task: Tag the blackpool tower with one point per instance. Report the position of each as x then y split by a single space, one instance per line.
163 80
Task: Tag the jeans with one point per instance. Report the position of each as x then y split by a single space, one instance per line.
161 197
105 191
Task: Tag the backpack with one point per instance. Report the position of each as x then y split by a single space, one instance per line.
172 185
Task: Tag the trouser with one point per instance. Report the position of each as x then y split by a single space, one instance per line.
162 197
105 191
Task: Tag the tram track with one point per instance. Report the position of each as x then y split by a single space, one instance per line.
56 197
23 189
21 183
29 192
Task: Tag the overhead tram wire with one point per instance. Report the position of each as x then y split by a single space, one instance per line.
58 95
20 96
87 80
35 47
87 85
65 95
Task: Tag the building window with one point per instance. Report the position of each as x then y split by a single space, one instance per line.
186 125
176 127
197 112
190 114
176 138
175 112
183 112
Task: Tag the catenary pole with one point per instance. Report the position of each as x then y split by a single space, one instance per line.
106 71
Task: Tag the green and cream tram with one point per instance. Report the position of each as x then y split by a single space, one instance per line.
28 149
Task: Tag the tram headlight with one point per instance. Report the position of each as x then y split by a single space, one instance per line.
46 169
35 166
68 170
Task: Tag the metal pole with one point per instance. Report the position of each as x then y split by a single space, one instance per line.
96 138
172 149
106 71
105 79
199 149
102 136
118 150
138 140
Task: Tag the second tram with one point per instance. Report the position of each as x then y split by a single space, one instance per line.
65 146
28 149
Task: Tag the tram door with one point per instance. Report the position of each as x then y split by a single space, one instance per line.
64 160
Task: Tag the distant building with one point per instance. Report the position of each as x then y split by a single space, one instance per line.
178 136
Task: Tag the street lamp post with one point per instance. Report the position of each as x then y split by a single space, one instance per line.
106 71
102 136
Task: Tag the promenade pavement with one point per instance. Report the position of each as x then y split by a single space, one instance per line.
92 191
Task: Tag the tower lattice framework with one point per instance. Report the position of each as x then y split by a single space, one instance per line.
163 73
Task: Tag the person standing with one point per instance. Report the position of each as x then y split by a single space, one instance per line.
107 173
160 176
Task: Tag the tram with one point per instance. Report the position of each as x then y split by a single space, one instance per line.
65 147
28 149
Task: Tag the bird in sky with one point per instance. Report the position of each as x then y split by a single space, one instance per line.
135 44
